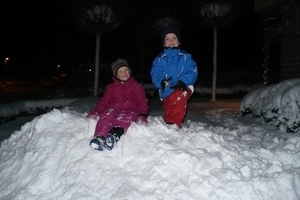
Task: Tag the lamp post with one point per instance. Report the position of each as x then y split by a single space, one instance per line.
5 60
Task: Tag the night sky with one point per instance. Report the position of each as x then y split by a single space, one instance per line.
38 36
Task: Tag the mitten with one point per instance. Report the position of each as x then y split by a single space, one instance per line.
142 119
164 83
179 86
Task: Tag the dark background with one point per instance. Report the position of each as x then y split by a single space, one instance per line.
38 36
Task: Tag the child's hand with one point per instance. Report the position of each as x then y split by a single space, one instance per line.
164 83
179 86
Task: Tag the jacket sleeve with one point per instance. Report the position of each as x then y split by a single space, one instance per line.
190 74
157 73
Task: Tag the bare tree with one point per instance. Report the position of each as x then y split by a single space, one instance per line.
218 14
98 17
169 13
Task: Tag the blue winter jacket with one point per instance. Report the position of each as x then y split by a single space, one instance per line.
175 63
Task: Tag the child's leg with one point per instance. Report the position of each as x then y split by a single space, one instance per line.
121 124
167 110
105 123
117 132
124 119
175 107
113 137
110 127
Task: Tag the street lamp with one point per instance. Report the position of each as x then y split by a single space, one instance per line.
5 69
6 59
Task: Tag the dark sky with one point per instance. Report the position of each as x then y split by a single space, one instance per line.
37 36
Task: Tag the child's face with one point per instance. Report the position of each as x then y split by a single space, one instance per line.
123 73
171 40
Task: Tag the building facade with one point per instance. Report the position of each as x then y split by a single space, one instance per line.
287 16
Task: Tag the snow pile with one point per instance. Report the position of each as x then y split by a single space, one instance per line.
50 158
278 104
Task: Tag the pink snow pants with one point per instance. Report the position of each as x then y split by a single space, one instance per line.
112 118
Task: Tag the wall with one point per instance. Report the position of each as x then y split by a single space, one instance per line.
290 40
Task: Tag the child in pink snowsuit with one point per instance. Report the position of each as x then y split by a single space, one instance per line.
124 101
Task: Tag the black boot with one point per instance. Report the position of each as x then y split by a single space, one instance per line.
113 137
117 132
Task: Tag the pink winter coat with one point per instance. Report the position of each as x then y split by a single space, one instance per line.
127 96
120 105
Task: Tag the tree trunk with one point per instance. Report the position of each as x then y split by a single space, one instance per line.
267 54
97 64
214 82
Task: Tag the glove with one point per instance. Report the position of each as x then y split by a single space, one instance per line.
164 83
142 119
179 86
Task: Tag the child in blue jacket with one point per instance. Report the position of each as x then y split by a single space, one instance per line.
174 72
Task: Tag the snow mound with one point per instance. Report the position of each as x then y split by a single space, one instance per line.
278 104
49 158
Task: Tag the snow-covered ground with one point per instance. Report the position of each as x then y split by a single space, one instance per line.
218 154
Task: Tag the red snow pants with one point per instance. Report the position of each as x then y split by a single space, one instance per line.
175 107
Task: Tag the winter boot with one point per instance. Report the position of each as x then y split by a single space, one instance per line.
97 143
110 142
113 137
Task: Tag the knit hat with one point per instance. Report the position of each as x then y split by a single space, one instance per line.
168 30
117 64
